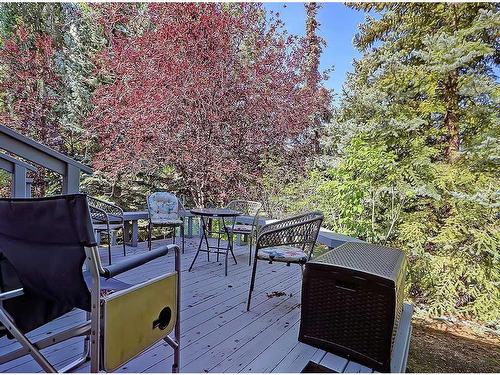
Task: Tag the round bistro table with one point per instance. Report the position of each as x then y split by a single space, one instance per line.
223 214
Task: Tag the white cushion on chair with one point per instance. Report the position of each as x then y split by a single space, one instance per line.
283 254
164 208
101 226
246 228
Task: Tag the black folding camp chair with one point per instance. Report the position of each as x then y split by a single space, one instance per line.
44 244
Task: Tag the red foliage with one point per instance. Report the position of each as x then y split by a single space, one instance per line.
208 89
30 86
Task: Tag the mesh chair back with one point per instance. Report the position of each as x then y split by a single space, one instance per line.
299 231
102 211
249 208
42 249
162 207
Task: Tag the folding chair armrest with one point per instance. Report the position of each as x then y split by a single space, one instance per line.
136 261
11 294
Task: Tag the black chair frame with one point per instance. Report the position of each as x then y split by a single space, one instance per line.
300 231
110 216
151 225
250 208
22 287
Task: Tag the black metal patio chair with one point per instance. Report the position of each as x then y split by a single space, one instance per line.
165 210
291 240
106 218
248 208
44 244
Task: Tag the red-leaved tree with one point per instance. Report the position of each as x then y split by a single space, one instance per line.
30 86
207 89
30 89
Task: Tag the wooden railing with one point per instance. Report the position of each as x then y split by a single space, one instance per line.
43 156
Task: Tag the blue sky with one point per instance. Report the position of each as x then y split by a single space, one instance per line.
338 25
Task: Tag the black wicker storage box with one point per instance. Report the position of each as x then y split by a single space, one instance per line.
352 298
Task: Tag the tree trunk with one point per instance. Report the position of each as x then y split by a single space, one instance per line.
451 117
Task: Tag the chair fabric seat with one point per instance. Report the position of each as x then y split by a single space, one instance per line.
108 286
240 228
105 227
170 222
283 254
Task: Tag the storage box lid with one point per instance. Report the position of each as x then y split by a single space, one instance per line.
381 261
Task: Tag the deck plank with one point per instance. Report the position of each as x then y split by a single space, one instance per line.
192 332
297 358
335 362
262 359
251 342
356 368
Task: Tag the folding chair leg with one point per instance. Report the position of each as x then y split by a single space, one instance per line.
252 283
176 345
250 254
8 323
149 235
177 360
86 352
84 358
182 237
124 248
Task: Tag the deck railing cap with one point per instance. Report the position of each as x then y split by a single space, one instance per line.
13 160
44 149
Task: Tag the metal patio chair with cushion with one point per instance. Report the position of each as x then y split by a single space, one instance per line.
44 244
107 217
165 211
248 208
291 240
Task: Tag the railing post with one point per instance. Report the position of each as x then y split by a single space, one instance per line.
71 180
19 182
29 182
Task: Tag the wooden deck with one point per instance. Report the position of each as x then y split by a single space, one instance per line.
218 334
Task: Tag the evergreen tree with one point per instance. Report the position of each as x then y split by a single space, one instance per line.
83 39
413 150
313 77
430 66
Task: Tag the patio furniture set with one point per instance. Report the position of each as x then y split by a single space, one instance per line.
48 276
50 266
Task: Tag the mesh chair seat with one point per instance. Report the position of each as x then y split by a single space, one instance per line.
241 228
105 227
171 222
283 254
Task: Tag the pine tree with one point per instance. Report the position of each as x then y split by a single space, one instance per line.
312 74
414 150
435 59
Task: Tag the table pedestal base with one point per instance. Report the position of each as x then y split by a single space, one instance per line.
216 249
